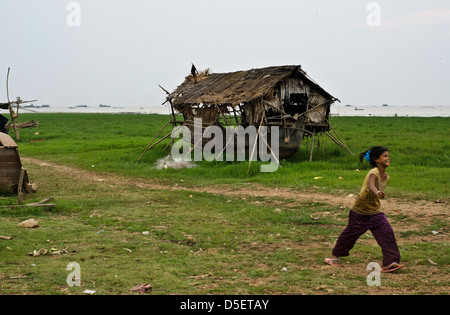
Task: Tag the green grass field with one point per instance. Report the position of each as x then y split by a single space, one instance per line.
127 223
113 143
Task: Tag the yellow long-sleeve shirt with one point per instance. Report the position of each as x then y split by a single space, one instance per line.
367 202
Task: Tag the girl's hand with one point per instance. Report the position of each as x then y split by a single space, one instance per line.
381 195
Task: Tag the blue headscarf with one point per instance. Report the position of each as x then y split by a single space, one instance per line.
367 156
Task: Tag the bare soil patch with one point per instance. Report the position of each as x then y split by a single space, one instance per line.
423 209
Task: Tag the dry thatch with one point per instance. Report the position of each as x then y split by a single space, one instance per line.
234 88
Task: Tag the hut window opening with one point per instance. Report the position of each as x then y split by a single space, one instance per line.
297 104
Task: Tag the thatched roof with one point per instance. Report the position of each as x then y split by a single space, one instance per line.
236 87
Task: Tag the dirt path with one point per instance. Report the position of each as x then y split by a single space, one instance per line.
423 209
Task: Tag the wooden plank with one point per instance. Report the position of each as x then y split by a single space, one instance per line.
9 165
9 172
8 151
9 180
8 159
9 155
13 164
7 141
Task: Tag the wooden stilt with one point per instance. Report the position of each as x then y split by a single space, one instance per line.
159 141
312 147
20 186
148 147
254 146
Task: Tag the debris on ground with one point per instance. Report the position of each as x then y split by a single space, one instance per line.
177 163
29 224
142 288
52 251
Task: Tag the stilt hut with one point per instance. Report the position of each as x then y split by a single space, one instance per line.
283 96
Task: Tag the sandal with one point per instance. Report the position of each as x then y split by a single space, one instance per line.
333 262
392 267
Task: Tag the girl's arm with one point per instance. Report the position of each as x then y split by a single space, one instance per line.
379 194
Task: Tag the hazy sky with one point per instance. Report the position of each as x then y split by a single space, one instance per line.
121 50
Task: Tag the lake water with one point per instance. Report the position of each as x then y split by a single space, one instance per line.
336 110
391 111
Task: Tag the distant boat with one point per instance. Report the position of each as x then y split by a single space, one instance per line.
356 108
36 106
101 105
81 106
385 105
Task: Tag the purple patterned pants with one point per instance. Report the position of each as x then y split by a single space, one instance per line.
381 230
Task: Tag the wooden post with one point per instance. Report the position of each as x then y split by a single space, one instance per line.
15 124
20 186
11 110
312 147
150 146
255 144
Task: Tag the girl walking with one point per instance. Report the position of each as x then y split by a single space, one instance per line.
366 214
